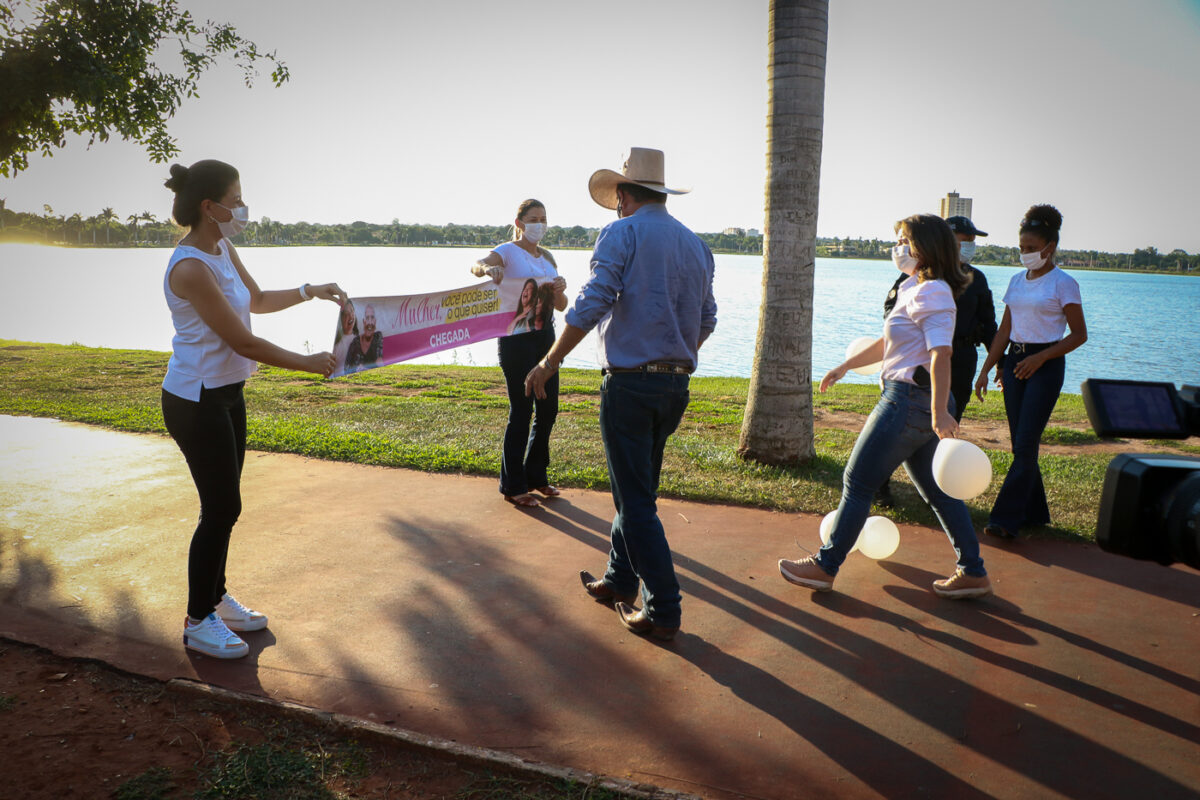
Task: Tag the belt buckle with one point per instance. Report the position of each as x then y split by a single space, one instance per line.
666 369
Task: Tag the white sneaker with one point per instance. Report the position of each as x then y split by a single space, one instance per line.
213 638
238 617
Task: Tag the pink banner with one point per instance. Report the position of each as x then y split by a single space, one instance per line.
377 331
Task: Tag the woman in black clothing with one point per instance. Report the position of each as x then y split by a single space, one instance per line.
211 296
526 455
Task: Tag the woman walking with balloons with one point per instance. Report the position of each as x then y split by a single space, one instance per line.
913 412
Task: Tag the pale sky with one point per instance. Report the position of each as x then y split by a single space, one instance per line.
456 110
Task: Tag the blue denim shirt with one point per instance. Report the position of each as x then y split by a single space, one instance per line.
649 291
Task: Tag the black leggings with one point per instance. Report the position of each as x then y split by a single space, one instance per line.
526 454
212 435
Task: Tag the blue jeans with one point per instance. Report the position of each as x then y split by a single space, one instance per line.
526 454
638 413
1028 404
899 431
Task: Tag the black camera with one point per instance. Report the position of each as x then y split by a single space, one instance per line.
1150 506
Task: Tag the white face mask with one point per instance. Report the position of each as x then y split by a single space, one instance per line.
966 251
1033 261
903 259
241 218
534 231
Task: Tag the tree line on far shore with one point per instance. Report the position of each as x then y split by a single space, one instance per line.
1147 259
109 229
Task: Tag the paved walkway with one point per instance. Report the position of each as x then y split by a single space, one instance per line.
425 602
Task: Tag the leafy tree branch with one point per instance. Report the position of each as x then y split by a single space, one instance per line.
92 67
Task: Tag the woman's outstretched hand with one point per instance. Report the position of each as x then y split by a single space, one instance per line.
833 376
327 291
321 363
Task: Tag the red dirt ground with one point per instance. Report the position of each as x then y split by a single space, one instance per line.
74 728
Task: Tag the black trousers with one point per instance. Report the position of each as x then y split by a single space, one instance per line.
526 454
962 377
212 435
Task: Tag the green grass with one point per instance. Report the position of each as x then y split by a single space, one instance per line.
278 756
156 783
1068 436
452 418
7 701
273 771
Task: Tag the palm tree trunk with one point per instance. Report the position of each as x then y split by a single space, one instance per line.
778 425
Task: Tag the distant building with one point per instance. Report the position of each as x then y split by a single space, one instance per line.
752 232
954 206
734 232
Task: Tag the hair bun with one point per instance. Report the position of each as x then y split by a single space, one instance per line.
1045 215
179 176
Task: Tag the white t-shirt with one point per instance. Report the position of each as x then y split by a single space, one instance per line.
199 357
1036 306
922 319
518 263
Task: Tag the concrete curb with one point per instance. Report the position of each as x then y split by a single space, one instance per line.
387 735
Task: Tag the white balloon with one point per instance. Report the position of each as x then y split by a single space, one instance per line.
879 538
961 469
856 347
827 526
827 530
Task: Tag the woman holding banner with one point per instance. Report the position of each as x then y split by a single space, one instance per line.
526 455
211 295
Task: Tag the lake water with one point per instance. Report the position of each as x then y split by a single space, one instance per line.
1140 326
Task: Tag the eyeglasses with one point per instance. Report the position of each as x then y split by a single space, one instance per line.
1029 223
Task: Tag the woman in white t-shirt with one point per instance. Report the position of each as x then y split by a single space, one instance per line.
1041 303
211 296
913 412
525 459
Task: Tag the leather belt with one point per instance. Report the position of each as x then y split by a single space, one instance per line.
658 367
1026 348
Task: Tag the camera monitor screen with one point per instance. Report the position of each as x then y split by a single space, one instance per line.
1135 409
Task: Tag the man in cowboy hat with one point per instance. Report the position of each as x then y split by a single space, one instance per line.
650 294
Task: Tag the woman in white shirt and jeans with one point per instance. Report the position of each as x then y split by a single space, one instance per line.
526 455
1042 301
211 296
913 412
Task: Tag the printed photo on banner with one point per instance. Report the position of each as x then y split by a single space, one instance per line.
535 305
377 331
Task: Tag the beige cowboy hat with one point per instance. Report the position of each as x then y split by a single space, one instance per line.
642 166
